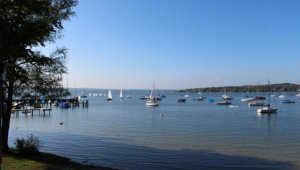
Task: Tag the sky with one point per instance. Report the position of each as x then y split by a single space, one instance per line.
181 44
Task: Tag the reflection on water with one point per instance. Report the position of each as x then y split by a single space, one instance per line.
127 134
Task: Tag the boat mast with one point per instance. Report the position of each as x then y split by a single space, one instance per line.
269 92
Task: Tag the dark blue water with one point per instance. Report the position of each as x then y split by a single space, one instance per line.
193 135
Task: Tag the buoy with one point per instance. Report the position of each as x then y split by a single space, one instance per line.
162 115
61 123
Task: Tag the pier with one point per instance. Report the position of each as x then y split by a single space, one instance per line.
31 110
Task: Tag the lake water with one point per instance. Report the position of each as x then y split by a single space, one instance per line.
193 135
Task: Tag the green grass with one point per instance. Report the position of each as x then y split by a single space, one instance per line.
41 161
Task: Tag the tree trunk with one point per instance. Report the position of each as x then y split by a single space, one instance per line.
6 118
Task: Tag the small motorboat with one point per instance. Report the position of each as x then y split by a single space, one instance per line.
225 102
248 99
226 97
282 96
209 99
181 100
260 98
64 105
287 101
256 104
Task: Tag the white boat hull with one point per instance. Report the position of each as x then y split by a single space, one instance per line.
151 103
247 100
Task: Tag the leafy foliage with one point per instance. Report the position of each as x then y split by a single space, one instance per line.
25 24
30 145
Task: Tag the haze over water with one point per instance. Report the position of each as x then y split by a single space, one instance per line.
197 134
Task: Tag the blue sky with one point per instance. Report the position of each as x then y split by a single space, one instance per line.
182 43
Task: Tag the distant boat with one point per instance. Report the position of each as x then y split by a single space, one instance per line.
260 98
121 94
225 96
247 98
153 97
268 109
225 102
209 99
64 105
82 98
287 101
109 95
298 95
282 96
256 104
187 94
128 96
144 98
198 98
181 100
152 102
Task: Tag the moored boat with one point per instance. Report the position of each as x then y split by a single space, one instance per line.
256 104
153 97
287 101
268 108
225 102
249 99
181 100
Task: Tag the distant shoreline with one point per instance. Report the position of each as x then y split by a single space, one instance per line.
284 87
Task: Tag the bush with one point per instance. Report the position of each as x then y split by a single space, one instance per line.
30 145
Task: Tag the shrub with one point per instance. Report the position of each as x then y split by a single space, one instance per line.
30 145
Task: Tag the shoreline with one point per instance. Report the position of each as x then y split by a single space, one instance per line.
43 160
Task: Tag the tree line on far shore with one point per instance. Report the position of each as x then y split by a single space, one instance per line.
283 87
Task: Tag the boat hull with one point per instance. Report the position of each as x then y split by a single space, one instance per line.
267 110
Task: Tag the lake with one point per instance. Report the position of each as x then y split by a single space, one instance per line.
193 135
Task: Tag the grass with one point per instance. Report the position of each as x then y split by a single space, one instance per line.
41 161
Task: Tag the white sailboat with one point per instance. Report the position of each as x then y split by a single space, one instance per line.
153 97
128 96
109 95
187 94
268 108
121 94
247 98
225 96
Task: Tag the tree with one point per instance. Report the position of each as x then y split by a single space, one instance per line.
26 24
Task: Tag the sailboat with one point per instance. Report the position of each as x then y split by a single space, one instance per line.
153 100
247 98
128 96
268 108
121 94
225 96
200 97
259 97
209 99
109 95
187 94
